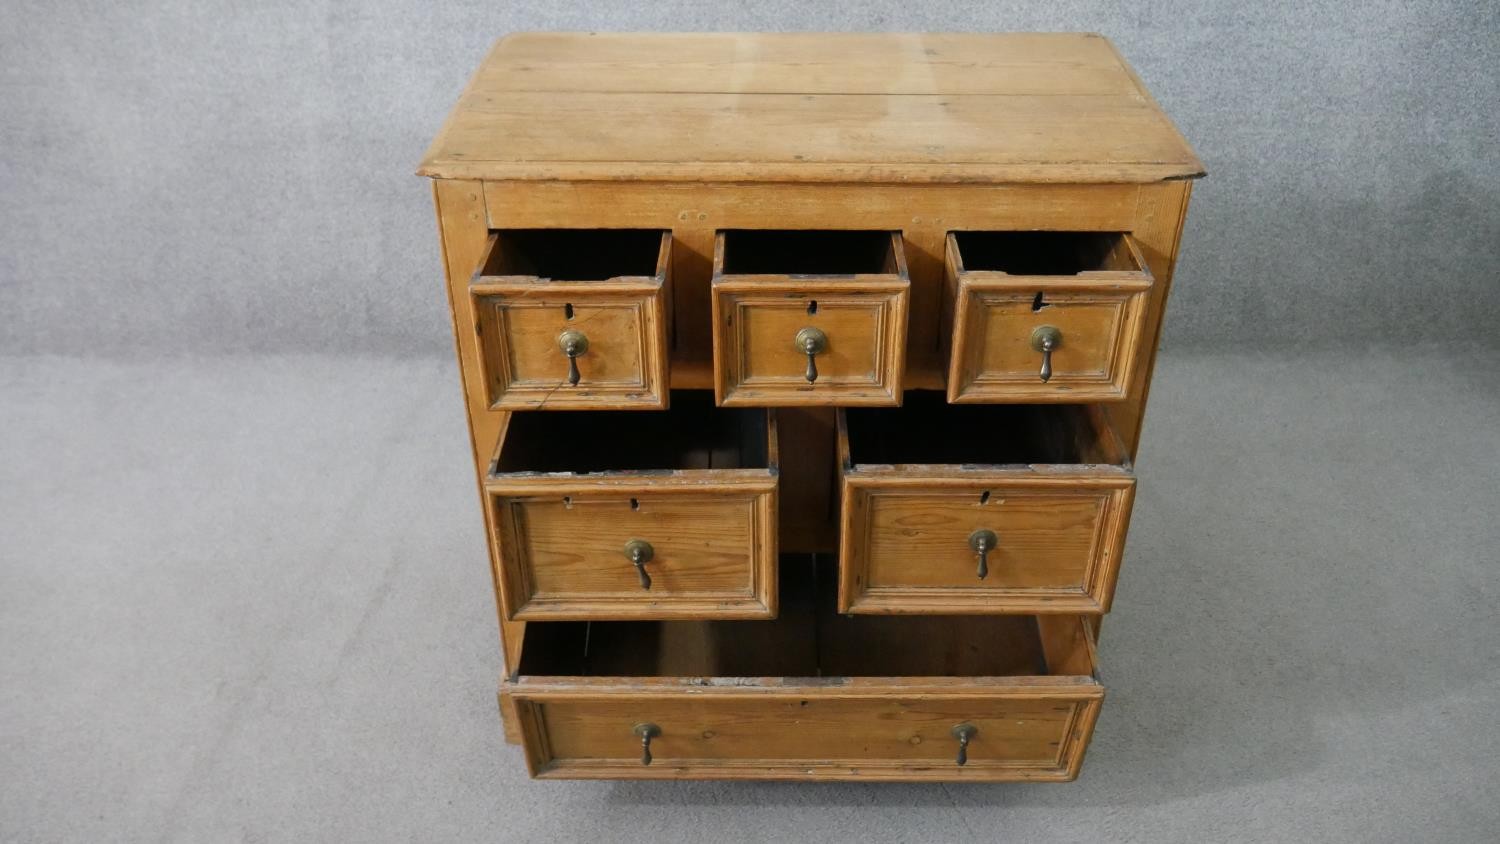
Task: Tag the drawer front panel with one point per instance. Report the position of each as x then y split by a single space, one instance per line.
1091 362
707 552
526 367
1055 544
809 317
860 361
572 319
810 733
1092 322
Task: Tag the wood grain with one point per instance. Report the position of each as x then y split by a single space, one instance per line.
1160 216
809 733
1032 726
923 135
1099 313
713 540
808 108
1059 547
518 320
757 317
923 213
559 540
904 531
805 488
463 235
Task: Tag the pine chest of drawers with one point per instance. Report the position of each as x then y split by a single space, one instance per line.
804 375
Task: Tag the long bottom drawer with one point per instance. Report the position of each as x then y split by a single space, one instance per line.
812 695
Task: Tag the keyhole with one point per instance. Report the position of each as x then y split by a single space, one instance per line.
812 307
568 308
984 497
635 504
1037 304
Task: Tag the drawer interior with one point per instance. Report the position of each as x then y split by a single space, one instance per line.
929 430
814 252
692 434
1045 253
809 639
574 254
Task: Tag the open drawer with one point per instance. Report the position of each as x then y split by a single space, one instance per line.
809 317
1044 316
574 318
623 515
980 508
812 695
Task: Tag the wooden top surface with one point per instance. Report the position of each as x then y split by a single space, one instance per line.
808 107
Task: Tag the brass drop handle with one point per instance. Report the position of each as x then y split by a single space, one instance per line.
811 342
640 552
965 733
573 343
647 732
983 541
1045 339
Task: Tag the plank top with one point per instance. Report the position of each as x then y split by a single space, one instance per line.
808 107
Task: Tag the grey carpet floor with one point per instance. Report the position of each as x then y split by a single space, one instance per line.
246 599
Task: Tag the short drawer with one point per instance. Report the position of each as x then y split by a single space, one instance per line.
623 515
1044 316
980 508
809 317
574 318
810 696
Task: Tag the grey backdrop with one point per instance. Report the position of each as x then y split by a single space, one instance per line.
180 177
